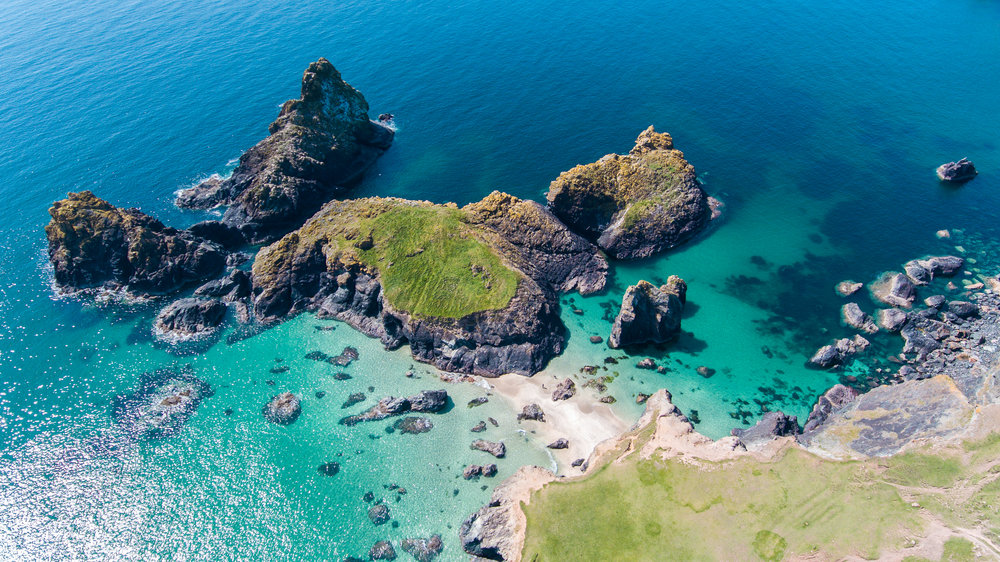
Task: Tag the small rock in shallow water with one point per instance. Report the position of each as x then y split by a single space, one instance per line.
607 399
413 425
379 514
489 470
478 401
472 471
369 497
704 371
382 550
329 468
479 428
641 398
283 409
494 422
320 394
353 399
497 449
646 363
596 339
848 288
424 550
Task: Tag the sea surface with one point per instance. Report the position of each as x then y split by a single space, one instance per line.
818 124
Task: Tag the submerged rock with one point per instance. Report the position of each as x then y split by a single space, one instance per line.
283 409
164 401
329 468
353 399
961 171
855 318
379 514
94 245
503 320
413 425
190 318
319 145
497 449
649 314
424 550
771 426
633 205
564 390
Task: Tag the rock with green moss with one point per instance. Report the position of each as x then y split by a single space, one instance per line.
471 290
634 205
649 314
318 146
95 246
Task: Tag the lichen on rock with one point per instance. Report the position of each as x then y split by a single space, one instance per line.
634 205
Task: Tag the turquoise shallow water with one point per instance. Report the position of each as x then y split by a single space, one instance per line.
819 125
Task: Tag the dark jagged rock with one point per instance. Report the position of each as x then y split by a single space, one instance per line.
831 400
560 443
957 172
346 357
472 471
489 470
854 317
497 449
649 314
837 353
379 514
328 266
161 405
219 232
771 426
432 401
479 427
923 335
231 288
634 205
891 319
319 145
382 550
413 425
190 318
531 412
283 409
424 550
894 289
564 390
94 245
963 309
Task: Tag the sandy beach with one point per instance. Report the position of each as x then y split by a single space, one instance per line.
582 419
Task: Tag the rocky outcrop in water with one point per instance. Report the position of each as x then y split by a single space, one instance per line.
319 145
839 352
231 288
190 318
382 550
854 317
283 409
923 271
633 205
497 449
649 314
431 401
894 289
94 245
471 290
956 172
164 401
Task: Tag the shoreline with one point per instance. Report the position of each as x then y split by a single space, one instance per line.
582 420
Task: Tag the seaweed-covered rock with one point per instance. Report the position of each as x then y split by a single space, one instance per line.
319 145
94 245
189 318
633 205
283 409
424 550
649 314
471 290
564 390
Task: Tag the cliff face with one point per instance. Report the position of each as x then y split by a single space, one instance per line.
633 205
319 144
471 290
95 245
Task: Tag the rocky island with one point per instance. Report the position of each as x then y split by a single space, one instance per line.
649 314
471 289
319 145
633 205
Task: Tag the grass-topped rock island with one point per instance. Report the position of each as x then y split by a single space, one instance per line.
471 289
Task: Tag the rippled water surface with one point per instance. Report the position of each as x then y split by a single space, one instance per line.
818 124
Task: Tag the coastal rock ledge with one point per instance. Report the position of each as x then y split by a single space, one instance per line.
471 289
319 145
634 205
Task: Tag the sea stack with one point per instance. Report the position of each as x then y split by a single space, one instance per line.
649 314
319 145
957 172
633 205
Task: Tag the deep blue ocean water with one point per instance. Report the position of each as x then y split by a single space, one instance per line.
818 124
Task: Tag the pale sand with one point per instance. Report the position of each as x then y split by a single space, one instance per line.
582 420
